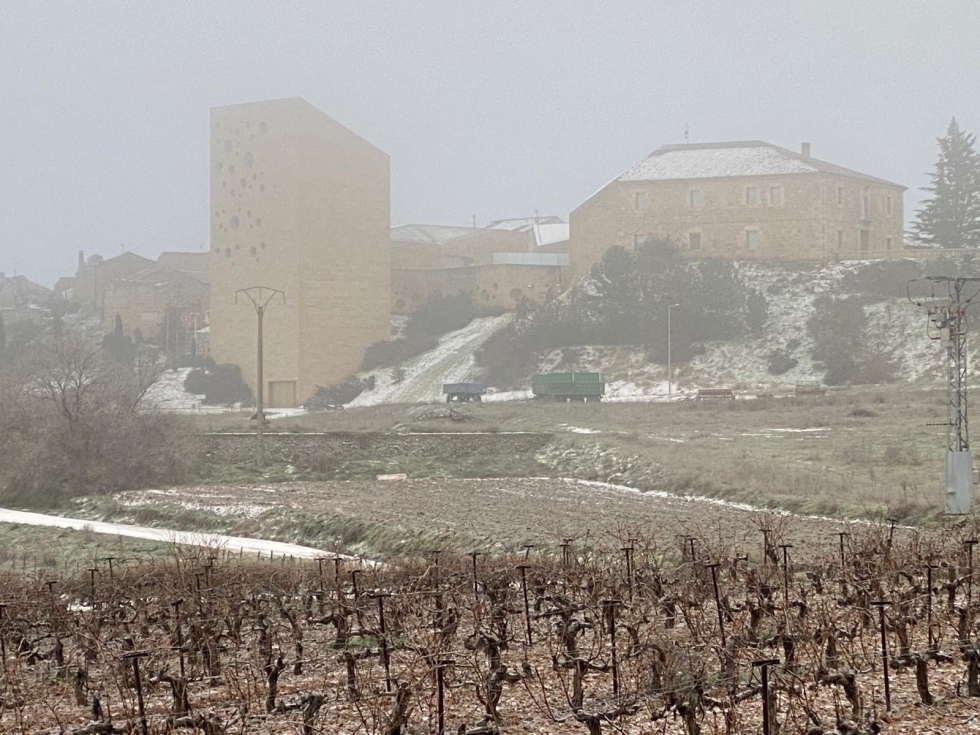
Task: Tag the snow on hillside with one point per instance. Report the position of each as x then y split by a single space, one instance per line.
420 380
167 392
896 330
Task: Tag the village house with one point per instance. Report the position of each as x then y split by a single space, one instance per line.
740 200
498 265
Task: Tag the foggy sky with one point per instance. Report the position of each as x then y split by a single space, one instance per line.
489 108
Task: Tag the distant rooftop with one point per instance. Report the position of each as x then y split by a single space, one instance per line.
725 160
550 234
430 234
522 224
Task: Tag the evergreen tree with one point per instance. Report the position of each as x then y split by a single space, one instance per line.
3 338
951 218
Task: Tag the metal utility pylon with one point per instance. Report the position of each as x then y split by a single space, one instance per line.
261 297
946 307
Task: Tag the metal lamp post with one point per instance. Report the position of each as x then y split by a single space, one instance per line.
670 371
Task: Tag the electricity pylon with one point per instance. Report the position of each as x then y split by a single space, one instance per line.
946 307
261 297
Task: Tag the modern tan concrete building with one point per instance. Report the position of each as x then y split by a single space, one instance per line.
742 200
299 203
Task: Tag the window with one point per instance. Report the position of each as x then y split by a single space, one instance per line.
753 238
751 195
888 204
888 243
640 200
694 240
865 240
776 196
642 239
694 199
840 239
840 196
865 206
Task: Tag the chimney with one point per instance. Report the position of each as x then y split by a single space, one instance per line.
81 259
805 150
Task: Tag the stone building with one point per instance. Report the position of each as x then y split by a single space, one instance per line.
299 203
498 265
744 200
148 300
94 275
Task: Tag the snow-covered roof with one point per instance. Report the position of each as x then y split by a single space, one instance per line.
726 160
431 234
523 223
550 234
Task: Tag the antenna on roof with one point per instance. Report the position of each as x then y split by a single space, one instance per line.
537 215
687 133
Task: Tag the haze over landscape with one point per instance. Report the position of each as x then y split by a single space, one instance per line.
487 109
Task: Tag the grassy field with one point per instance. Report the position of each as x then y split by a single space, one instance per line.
52 552
856 453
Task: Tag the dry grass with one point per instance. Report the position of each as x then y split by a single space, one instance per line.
852 453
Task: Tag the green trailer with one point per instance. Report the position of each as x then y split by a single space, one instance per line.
568 386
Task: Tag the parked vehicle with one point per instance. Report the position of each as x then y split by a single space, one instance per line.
463 392
568 386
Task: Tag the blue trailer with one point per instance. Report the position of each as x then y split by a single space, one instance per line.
463 392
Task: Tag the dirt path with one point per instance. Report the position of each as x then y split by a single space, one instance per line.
188 538
451 362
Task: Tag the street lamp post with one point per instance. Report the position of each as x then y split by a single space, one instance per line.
670 371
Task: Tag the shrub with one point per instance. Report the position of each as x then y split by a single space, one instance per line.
780 363
72 423
221 385
338 395
839 328
624 301
436 317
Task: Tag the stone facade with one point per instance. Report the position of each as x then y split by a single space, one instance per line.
145 300
299 203
493 287
436 260
94 275
801 209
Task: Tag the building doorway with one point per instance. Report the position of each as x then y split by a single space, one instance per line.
865 240
282 394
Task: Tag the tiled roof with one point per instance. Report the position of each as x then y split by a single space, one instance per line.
726 160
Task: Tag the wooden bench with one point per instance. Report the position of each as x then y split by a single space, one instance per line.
708 393
810 389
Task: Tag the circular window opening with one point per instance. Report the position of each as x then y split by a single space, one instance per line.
252 250
228 146
234 221
249 160
227 252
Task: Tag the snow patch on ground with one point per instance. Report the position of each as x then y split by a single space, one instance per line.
420 380
168 393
